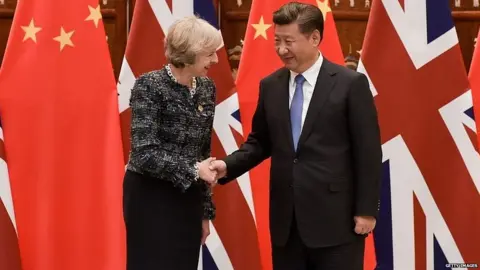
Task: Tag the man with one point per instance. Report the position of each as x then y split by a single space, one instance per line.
318 123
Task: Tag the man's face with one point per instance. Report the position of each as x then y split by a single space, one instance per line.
296 50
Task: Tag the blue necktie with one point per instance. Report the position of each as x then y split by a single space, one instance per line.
296 109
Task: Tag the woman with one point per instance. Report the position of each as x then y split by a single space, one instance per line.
167 200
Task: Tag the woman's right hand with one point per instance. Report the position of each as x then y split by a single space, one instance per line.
205 173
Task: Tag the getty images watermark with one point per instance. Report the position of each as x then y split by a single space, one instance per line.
461 265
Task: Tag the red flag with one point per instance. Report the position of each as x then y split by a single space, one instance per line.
330 45
259 44
474 78
412 57
232 243
58 104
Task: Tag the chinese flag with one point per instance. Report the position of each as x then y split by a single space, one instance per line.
59 109
474 78
258 60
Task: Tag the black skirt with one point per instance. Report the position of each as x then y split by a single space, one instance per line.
163 224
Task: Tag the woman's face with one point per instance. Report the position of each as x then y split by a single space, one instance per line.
203 61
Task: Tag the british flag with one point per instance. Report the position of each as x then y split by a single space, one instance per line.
233 242
9 252
429 214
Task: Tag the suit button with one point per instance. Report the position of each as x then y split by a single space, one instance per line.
295 160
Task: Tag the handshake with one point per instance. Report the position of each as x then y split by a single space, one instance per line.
210 170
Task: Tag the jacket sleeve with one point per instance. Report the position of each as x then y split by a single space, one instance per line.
208 205
366 147
146 152
255 149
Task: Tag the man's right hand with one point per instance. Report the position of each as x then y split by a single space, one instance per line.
220 167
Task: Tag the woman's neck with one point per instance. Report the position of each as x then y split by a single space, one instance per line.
182 76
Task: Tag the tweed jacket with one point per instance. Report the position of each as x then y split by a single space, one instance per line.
171 130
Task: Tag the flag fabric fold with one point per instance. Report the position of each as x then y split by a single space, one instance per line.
59 110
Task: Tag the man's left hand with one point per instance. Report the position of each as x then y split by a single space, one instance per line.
364 224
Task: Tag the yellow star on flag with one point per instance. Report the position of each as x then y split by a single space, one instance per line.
324 8
95 15
261 28
64 38
31 31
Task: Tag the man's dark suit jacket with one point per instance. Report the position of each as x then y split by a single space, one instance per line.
335 173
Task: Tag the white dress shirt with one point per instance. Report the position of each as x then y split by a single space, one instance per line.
310 75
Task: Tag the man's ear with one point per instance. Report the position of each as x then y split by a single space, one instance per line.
315 37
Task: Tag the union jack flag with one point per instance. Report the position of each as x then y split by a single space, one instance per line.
429 214
233 242
9 252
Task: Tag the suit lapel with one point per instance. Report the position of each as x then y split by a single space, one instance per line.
283 99
323 87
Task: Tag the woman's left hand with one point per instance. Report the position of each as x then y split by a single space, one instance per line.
205 230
